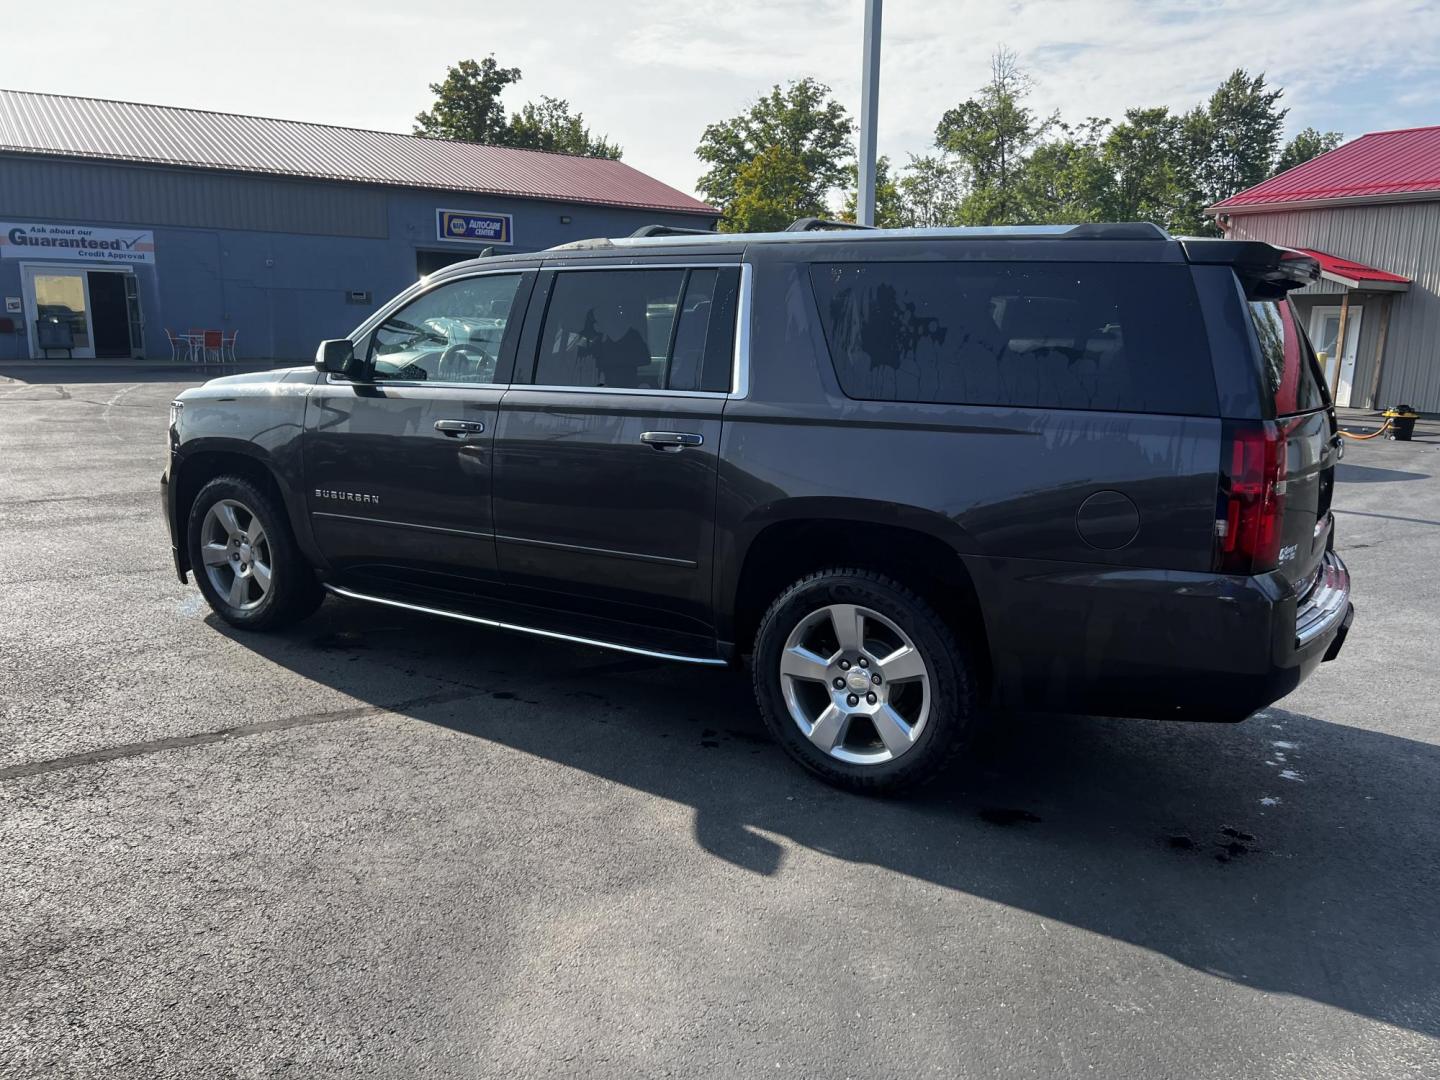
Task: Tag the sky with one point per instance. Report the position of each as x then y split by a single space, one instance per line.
652 75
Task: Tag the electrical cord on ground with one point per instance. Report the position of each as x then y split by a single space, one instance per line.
1373 434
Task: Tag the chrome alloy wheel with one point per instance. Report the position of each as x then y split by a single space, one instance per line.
855 684
236 554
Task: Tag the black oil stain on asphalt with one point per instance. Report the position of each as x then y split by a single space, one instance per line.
1235 844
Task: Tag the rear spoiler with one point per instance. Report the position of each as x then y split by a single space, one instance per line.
1266 272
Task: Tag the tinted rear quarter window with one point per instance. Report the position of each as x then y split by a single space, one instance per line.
1102 336
1287 361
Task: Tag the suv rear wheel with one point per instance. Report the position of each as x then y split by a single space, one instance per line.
245 558
862 682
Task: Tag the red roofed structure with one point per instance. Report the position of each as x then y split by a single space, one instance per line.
1389 165
1369 212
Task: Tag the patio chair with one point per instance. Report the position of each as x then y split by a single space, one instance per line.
179 343
227 346
211 342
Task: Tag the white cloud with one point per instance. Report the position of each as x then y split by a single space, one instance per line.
652 75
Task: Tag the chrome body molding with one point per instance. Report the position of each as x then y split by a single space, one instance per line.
497 624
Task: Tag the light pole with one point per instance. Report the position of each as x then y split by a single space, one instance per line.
869 105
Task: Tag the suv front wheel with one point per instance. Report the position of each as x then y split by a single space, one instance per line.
862 681
245 559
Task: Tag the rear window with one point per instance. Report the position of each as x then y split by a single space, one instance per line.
1291 369
1102 336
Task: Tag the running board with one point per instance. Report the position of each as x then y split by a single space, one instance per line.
496 624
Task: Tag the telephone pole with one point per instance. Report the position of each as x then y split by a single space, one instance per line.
869 105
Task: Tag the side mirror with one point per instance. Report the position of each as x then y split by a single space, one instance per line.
336 358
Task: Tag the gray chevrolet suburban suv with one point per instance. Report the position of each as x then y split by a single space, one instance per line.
911 475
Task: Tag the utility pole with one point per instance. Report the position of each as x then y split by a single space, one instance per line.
869 106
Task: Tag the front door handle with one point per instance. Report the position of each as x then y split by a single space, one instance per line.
671 441
459 429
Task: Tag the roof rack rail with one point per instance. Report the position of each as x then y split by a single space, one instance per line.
670 230
1118 230
816 224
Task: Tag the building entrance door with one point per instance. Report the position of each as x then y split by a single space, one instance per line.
59 298
109 313
1324 329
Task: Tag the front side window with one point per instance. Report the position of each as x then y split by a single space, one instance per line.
639 329
451 334
1103 336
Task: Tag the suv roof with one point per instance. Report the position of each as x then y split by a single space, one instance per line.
839 232
1266 271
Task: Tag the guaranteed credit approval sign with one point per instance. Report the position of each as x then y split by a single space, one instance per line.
79 243
475 228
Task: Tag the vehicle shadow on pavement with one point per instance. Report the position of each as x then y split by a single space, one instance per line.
1289 854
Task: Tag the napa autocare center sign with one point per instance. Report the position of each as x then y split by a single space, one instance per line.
78 243
468 226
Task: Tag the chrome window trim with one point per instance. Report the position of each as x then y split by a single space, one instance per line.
593 263
740 375
340 380
640 392
740 368
497 624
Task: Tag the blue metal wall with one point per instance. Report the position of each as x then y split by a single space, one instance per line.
269 259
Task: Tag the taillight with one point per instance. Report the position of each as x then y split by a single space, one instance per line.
1251 503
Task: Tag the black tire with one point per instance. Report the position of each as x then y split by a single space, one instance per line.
953 715
293 591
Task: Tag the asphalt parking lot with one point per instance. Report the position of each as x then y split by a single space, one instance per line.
378 845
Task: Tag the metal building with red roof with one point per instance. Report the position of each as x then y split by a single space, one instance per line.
1369 211
124 220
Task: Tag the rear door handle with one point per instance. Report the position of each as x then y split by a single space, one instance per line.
671 441
459 429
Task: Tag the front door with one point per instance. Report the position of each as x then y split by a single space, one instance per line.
398 462
1324 330
605 465
57 312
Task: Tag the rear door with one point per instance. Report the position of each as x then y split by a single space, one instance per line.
606 453
1293 382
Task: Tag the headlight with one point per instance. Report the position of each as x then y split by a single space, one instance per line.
175 407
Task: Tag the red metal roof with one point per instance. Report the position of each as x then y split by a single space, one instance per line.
1351 270
1376 165
160 134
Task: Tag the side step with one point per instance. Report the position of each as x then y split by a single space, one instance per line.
496 624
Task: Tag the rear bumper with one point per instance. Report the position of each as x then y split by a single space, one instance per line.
1155 643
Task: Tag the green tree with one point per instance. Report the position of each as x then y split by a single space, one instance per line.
548 124
468 108
931 189
1233 139
1310 143
467 104
770 191
1149 172
1065 179
801 133
890 210
991 136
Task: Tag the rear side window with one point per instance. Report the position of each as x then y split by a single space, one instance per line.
1102 336
639 329
1289 364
